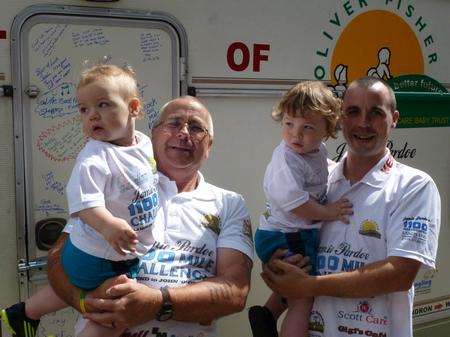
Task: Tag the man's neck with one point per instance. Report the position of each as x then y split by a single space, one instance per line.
187 185
356 167
186 181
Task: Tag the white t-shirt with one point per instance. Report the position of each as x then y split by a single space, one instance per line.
189 229
124 180
396 213
290 180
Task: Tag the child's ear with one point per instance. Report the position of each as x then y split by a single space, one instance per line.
135 107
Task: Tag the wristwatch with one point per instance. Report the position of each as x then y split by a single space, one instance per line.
166 311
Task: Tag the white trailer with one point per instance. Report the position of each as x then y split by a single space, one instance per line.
238 57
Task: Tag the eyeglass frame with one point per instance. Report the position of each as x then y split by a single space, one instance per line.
172 128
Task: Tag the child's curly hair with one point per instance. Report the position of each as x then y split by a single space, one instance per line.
310 96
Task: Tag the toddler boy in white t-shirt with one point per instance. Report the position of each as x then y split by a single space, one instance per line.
112 197
295 184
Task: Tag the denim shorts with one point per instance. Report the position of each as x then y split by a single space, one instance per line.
87 272
304 242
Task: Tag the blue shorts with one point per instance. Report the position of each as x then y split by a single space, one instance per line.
304 241
87 272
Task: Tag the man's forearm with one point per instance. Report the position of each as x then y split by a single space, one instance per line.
201 302
214 297
208 300
378 278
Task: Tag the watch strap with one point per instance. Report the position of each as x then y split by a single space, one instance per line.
166 311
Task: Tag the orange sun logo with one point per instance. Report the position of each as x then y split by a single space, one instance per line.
391 49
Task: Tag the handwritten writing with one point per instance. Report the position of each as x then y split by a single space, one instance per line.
151 110
58 102
150 46
54 71
90 37
52 184
45 43
63 141
47 207
141 88
59 324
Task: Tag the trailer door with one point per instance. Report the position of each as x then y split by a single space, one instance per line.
51 45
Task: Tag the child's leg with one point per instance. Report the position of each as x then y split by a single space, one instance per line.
22 319
276 305
263 319
296 322
43 302
93 329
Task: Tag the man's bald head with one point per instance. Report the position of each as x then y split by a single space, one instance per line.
367 82
188 103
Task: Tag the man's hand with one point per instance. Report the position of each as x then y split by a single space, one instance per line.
287 277
102 291
128 304
120 236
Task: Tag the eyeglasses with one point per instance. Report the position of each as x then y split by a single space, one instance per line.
196 131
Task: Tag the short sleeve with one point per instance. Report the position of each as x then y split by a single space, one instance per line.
286 181
414 226
236 227
86 185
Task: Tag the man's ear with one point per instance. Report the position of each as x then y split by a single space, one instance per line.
208 151
395 117
134 106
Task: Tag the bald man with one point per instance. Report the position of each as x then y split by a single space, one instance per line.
199 267
367 268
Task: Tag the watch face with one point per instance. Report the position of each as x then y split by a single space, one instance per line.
164 314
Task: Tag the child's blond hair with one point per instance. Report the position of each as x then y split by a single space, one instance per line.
310 96
125 76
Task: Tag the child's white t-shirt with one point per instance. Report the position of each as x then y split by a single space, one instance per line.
122 179
290 180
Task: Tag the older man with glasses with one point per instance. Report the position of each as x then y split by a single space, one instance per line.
199 267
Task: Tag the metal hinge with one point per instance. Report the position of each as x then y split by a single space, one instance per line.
6 90
39 263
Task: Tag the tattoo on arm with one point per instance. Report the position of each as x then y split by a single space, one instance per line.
220 292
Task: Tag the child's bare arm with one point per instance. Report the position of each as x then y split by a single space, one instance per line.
312 210
115 230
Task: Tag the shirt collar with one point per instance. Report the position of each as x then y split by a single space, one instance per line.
375 177
201 192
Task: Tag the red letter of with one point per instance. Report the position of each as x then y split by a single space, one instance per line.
245 56
257 57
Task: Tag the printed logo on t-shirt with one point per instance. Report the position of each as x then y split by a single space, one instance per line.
357 331
153 332
344 257
142 209
184 262
369 228
386 168
152 163
211 222
415 229
267 213
316 323
363 312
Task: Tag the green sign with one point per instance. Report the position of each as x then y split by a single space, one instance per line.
422 101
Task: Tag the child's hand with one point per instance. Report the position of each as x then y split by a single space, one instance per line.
120 236
340 210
